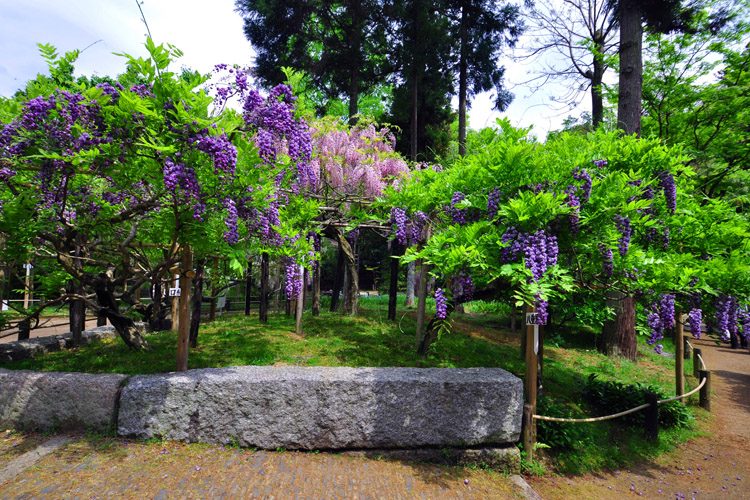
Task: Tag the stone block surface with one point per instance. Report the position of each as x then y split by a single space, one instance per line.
326 408
56 400
24 349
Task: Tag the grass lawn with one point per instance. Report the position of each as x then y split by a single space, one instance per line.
477 340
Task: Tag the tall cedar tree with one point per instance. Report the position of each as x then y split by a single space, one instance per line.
341 45
482 29
618 335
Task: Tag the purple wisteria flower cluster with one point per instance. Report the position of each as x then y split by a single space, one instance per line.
441 304
462 286
661 315
539 249
293 285
493 201
626 231
400 223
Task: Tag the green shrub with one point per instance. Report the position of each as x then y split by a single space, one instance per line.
608 397
560 435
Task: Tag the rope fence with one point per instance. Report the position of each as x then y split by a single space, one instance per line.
704 381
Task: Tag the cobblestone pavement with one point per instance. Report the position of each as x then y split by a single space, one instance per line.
106 468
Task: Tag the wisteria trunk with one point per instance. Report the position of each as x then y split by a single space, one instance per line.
618 335
124 325
248 286
396 251
316 290
411 274
351 300
338 280
263 307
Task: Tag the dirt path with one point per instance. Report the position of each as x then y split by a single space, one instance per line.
717 466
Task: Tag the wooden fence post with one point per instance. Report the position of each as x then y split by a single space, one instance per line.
696 361
528 431
679 361
705 393
651 414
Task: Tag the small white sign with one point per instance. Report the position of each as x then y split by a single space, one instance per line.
27 266
174 292
4 306
532 318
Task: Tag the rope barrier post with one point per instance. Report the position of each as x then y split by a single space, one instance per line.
687 348
696 361
651 414
679 363
528 431
705 395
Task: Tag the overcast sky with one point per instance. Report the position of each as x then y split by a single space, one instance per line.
207 32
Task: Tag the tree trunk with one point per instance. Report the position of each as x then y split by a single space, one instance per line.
618 335
411 276
195 320
414 127
355 57
101 319
248 286
316 289
214 288
597 100
263 308
352 286
631 68
183 332
300 305
124 325
338 280
462 83
423 279
396 251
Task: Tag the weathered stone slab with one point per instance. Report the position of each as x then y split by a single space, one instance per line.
63 401
24 349
326 408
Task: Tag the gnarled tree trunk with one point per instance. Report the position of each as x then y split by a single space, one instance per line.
124 325
618 334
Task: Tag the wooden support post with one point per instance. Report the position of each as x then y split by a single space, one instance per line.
688 351
531 360
27 285
528 431
696 361
174 314
679 359
651 414
705 392
523 333
183 333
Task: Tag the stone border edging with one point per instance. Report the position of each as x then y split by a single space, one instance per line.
461 414
25 349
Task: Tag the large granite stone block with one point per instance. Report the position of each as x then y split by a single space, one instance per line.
326 408
61 401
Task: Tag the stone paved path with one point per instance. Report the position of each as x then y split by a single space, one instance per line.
711 467
102 468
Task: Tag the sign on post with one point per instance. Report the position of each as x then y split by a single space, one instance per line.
533 319
174 292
